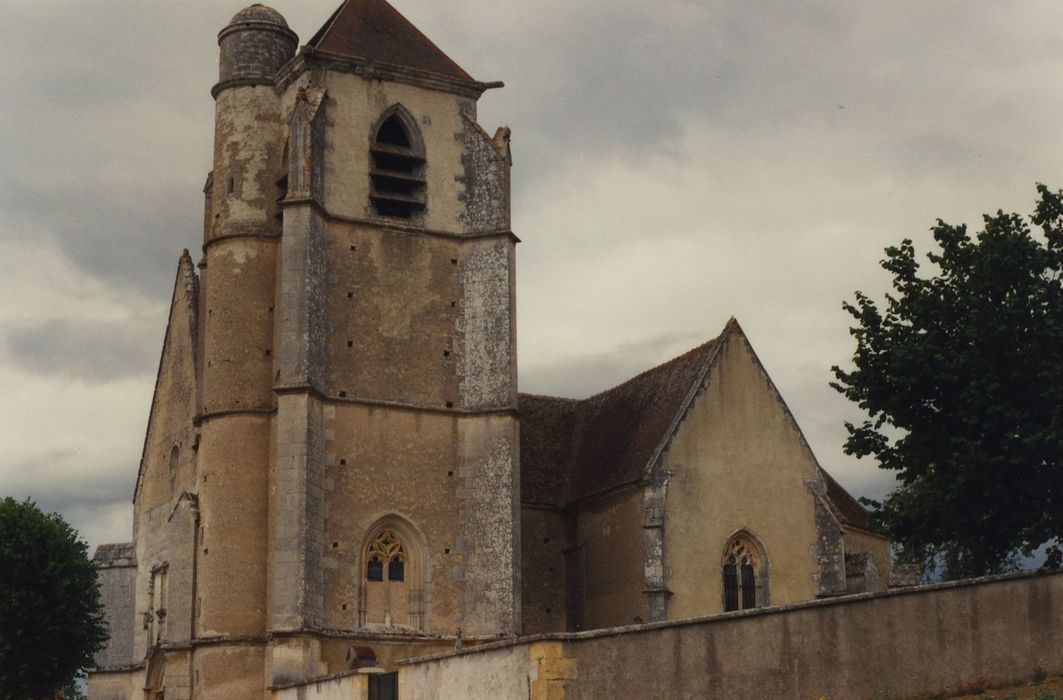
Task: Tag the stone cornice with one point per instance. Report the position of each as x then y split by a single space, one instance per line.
391 226
377 70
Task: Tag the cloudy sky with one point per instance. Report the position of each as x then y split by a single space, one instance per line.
677 162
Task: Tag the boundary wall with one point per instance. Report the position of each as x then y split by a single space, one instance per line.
904 643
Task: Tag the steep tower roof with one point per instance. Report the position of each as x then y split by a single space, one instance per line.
373 30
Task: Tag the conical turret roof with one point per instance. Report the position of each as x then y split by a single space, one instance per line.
373 30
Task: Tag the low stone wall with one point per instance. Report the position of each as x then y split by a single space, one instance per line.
340 686
507 670
905 643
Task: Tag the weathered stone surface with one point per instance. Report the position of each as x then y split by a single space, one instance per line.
486 365
486 178
332 457
255 44
919 642
116 566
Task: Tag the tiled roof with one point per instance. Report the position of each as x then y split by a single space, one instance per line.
545 443
849 510
574 449
112 555
373 30
620 430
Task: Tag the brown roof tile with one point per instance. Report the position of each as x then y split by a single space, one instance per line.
545 444
115 555
849 510
375 31
572 449
620 430
607 440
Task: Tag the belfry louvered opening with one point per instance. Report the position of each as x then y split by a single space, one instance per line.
397 174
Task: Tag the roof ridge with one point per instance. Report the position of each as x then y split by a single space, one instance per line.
684 407
320 33
674 360
546 396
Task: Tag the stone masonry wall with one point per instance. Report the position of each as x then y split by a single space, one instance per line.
900 644
117 571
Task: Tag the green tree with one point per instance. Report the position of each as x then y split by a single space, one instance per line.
51 618
961 376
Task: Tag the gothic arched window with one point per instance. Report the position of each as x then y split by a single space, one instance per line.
397 172
393 575
745 574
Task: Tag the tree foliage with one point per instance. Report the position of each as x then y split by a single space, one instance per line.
51 618
961 375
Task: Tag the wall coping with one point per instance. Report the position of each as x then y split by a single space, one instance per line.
340 675
841 600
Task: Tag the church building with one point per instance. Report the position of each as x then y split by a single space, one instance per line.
338 470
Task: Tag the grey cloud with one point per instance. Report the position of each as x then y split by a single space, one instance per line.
130 239
585 375
58 479
87 119
90 351
795 140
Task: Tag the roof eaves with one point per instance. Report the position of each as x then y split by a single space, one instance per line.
382 70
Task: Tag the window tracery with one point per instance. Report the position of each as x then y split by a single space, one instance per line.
393 576
386 548
744 574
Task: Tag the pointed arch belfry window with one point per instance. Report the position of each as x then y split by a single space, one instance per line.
393 576
397 166
745 573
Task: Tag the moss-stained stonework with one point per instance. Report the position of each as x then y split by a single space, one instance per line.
332 470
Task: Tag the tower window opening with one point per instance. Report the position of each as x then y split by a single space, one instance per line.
392 133
397 168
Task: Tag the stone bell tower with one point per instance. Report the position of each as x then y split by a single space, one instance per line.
331 459
359 434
